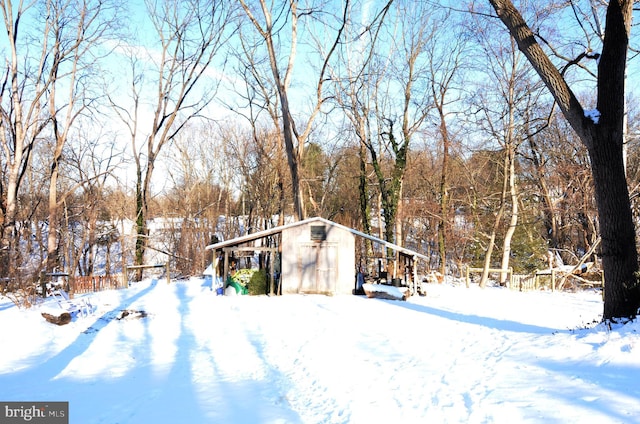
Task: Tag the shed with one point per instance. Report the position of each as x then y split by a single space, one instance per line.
314 255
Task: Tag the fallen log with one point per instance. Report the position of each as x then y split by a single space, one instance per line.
59 319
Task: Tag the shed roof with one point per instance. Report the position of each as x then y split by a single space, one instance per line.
265 233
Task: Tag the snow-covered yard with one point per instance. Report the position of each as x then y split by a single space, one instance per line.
457 355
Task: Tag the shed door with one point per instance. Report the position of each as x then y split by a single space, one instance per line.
317 265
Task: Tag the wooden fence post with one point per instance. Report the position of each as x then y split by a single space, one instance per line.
510 277
467 279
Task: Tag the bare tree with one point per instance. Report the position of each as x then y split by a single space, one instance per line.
191 34
23 97
255 97
445 69
73 32
356 82
64 35
602 132
408 74
90 162
269 20
505 107
193 203
367 82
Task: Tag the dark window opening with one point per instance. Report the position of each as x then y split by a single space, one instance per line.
318 233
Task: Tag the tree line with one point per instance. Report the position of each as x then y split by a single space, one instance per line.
485 135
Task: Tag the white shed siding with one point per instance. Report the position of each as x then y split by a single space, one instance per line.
318 266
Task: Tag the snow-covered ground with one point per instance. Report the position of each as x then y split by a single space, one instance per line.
457 355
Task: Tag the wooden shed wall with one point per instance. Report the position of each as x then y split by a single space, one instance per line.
323 267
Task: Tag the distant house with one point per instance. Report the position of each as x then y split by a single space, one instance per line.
314 256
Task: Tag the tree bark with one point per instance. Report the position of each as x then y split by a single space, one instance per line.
363 194
513 221
443 224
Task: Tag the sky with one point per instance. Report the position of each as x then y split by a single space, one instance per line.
302 92
456 355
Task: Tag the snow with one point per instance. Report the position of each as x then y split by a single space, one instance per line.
387 291
593 114
457 355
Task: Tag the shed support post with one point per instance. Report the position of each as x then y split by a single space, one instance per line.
414 273
225 273
270 271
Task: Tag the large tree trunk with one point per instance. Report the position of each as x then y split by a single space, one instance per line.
141 225
513 221
618 246
444 194
602 133
363 194
54 204
22 151
8 242
293 154
391 188
52 236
